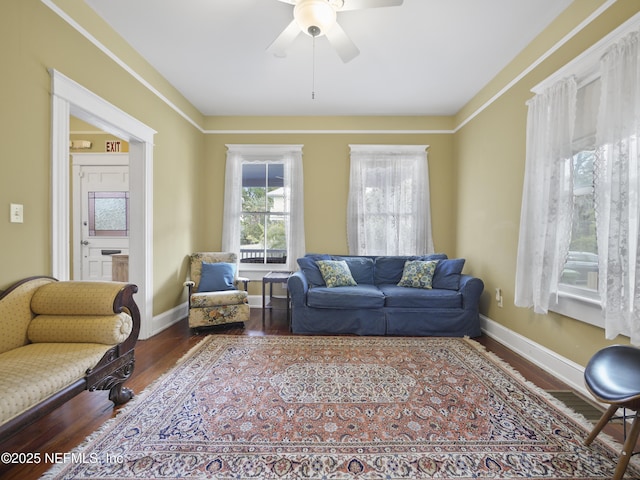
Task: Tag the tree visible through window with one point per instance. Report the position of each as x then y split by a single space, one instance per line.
581 267
264 212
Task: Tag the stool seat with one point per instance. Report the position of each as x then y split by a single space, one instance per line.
613 374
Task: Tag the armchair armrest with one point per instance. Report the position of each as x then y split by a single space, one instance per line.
189 284
243 280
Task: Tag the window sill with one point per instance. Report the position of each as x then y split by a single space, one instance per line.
571 304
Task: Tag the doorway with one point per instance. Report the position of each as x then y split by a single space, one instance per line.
70 98
101 220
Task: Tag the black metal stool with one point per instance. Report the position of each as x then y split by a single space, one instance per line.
613 376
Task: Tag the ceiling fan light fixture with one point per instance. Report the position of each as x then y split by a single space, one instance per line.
315 17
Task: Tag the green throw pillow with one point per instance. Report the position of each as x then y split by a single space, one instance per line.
336 273
418 273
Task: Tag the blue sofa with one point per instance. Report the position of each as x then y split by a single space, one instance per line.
378 306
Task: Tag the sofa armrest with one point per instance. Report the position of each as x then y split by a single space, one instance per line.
104 329
298 286
90 298
471 288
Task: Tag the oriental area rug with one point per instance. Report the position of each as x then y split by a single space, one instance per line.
242 407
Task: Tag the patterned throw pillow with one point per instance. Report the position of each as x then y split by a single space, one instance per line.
418 273
336 273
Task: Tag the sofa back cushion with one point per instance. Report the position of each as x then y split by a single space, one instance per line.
447 274
16 314
309 267
362 268
388 269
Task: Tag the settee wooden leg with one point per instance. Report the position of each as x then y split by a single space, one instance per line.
120 394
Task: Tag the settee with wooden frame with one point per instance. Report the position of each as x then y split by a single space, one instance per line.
60 338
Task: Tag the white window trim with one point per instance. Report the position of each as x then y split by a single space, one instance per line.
268 153
585 68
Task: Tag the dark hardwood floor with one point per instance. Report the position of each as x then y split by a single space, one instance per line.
69 425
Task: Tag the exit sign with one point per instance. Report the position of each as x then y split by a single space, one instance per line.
113 145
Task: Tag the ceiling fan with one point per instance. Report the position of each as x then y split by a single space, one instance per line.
319 17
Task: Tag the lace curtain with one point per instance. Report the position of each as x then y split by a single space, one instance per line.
388 209
617 189
294 196
547 200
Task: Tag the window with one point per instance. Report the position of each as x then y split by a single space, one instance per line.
108 214
388 211
580 274
264 214
263 206
581 184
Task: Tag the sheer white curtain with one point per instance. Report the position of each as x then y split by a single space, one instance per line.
388 209
232 202
547 199
291 158
293 186
617 189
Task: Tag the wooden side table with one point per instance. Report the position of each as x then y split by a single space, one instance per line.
120 268
271 278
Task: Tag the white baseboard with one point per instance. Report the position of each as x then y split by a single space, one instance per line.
255 301
168 318
560 367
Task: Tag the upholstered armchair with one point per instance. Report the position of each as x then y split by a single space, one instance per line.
214 296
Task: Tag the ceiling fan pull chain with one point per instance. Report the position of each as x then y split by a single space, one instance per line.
313 70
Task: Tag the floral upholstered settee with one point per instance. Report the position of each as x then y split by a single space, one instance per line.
60 338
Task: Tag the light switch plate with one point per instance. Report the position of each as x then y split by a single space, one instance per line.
16 212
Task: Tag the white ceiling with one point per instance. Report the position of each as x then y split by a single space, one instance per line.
426 57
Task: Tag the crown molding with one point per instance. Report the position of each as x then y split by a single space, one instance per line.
62 14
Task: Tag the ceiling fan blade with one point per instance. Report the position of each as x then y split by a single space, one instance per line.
286 38
362 4
290 2
345 47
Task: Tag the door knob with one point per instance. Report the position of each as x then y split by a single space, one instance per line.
85 242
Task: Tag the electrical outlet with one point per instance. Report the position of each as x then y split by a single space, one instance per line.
16 213
499 297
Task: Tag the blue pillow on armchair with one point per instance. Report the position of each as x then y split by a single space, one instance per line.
217 276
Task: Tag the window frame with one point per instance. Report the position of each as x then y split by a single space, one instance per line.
265 153
361 155
265 214
568 300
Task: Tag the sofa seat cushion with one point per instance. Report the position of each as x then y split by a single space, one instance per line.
362 296
216 299
396 296
36 371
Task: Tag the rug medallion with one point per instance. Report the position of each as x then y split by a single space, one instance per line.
342 408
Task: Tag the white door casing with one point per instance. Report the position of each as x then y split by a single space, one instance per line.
70 98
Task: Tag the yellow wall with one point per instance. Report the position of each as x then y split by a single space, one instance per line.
490 153
35 39
326 185
476 173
